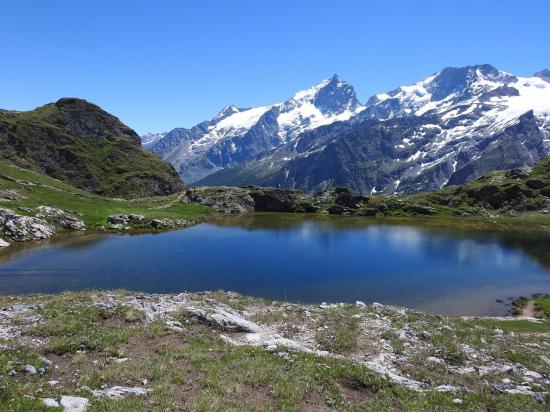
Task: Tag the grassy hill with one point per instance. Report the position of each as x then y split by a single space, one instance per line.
28 189
79 143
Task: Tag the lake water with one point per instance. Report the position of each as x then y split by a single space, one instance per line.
451 270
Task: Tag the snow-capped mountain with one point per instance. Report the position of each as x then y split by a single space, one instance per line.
448 128
149 139
237 135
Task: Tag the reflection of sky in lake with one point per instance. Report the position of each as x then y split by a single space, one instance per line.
304 260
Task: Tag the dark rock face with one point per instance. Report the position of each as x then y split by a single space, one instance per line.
275 200
77 142
456 79
544 75
335 95
88 121
535 183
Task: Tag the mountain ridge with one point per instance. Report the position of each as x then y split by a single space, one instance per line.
77 142
236 135
461 116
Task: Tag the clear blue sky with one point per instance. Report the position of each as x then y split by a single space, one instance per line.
162 64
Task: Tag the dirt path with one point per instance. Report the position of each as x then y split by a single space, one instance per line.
531 310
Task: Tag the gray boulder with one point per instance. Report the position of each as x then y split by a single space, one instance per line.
124 219
59 218
24 228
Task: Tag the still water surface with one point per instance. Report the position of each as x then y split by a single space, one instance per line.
297 258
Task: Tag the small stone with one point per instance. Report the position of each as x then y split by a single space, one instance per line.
426 335
271 347
46 361
29 369
498 332
360 304
3 243
41 371
144 382
507 380
457 401
52 383
74 404
50 403
12 373
532 374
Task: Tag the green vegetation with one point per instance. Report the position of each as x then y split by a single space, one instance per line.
544 304
337 329
77 142
505 197
25 188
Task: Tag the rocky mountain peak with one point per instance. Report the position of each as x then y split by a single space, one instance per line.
335 96
89 121
543 74
227 111
459 79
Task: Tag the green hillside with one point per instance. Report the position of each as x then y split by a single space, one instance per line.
79 143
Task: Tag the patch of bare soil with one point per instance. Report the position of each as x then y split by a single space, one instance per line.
314 402
531 310
355 392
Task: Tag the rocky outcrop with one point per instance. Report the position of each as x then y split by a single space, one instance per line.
24 228
125 219
253 199
121 221
43 225
59 218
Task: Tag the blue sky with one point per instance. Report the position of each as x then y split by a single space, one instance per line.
163 64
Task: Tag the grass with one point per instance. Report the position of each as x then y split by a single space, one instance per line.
198 371
35 190
73 324
338 329
516 326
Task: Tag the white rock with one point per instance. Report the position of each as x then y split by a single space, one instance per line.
498 332
52 383
433 359
485 370
50 403
3 243
360 304
31 370
117 392
457 401
532 374
74 404
447 388
507 380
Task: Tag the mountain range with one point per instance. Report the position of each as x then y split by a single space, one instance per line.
446 129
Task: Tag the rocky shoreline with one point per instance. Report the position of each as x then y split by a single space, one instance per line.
460 358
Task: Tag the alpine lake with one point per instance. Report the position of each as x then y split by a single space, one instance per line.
446 268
